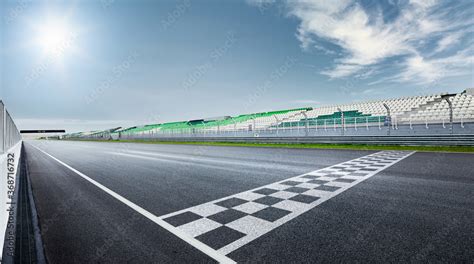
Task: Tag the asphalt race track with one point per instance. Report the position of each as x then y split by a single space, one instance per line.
145 203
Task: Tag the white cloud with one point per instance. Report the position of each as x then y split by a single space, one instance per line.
424 3
342 70
260 3
448 41
367 40
306 102
371 91
417 66
323 49
425 71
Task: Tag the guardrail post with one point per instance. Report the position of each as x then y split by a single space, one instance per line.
342 121
450 104
202 130
235 126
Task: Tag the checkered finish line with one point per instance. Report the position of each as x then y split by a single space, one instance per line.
231 222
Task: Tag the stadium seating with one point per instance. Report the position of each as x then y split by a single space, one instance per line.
463 109
350 117
242 122
406 110
417 109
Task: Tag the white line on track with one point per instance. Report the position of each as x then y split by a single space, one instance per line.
289 198
251 227
182 235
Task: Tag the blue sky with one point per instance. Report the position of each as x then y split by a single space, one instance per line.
84 65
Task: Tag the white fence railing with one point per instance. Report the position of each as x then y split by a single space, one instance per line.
9 133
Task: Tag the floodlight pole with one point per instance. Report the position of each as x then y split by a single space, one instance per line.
342 120
389 117
450 104
306 127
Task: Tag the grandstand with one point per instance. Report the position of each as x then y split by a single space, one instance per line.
410 112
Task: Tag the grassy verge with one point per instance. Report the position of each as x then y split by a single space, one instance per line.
308 145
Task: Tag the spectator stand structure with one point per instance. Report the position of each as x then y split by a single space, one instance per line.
438 114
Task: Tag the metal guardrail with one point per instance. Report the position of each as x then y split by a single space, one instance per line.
335 127
457 140
308 131
388 134
9 133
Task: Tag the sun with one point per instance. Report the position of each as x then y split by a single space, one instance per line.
54 37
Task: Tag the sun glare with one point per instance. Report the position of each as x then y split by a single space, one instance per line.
54 37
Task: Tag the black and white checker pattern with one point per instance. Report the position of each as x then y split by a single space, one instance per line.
231 222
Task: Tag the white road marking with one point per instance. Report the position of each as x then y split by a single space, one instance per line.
251 225
294 196
177 232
